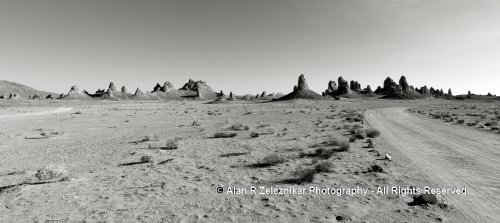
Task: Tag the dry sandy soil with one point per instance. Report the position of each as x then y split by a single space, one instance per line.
100 146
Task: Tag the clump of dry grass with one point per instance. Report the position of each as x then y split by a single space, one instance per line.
304 174
225 134
372 133
344 146
323 166
238 127
51 173
272 160
166 145
147 159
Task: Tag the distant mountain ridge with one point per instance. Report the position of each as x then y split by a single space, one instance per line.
8 87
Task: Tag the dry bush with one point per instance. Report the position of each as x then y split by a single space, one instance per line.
51 173
344 146
324 153
225 134
238 127
149 138
254 134
304 174
372 133
147 159
323 166
271 160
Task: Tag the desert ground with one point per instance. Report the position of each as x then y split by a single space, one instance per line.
153 161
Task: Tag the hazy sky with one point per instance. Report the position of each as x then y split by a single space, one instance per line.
247 46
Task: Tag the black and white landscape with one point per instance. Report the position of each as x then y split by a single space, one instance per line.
249 111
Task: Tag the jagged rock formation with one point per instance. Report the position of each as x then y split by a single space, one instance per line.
402 90
302 85
111 87
231 96
138 92
404 84
368 90
14 97
301 91
343 87
332 87
449 95
264 94
49 97
75 93
124 89
167 87
389 85
192 87
36 96
355 86
157 87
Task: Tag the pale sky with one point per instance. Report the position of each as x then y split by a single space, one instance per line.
248 46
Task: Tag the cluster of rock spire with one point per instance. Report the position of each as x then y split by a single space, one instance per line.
199 89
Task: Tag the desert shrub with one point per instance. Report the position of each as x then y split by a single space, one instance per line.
195 123
304 174
323 166
225 134
332 141
352 139
324 153
372 133
147 159
149 138
51 173
254 134
238 127
492 123
271 160
172 144
344 146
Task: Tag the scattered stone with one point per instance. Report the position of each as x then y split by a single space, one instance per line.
377 168
425 199
388 157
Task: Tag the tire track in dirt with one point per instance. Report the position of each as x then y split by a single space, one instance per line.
450 156
31 114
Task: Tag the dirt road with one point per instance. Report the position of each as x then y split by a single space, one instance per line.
450 156
38 113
